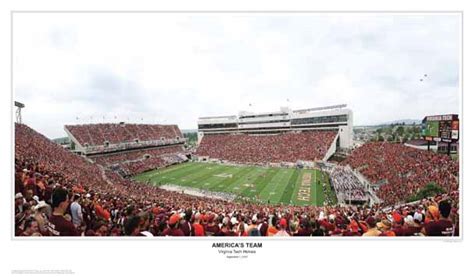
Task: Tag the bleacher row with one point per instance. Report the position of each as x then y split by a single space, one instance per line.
138 161
98 134
273 148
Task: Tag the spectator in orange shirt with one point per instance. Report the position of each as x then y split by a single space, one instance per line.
101 212
198 228
272 230
386 228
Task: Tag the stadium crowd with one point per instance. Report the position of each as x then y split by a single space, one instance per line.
347 186
402 171
60 194
121 157
138 161
139 166
273 148
200 192
97 134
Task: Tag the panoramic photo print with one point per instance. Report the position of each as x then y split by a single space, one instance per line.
237 124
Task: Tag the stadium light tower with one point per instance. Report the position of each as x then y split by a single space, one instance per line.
18 106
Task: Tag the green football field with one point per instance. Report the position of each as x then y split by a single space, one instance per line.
274 185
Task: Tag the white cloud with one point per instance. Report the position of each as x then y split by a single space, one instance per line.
173 68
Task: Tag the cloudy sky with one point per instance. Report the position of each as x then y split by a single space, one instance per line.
174 67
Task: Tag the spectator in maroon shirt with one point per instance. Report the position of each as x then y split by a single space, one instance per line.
144 221
58 225
411 227
443 226
173 227
30 185
185 224
101 229
211 228
263 226
132 226
317 231
226 229
305 228
398 228
161 227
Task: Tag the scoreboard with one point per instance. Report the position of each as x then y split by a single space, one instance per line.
441 128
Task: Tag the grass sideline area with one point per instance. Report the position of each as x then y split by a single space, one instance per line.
273 185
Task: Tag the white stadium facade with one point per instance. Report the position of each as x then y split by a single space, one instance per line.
330 118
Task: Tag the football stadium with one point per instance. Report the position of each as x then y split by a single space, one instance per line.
281 173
